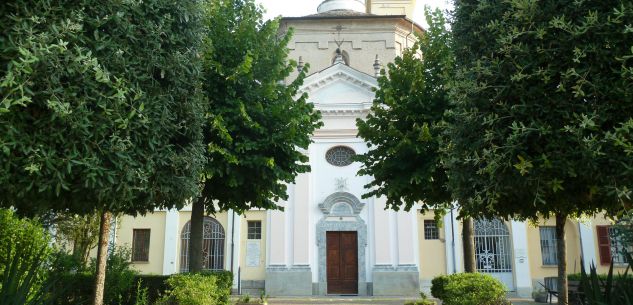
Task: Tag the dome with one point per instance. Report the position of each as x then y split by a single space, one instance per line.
338 5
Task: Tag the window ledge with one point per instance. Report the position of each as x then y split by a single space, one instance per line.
140 262
549 266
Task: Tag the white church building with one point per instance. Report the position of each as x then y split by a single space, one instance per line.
329 241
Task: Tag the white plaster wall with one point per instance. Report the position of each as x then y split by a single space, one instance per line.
324 177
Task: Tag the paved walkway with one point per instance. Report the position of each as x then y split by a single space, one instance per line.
357 301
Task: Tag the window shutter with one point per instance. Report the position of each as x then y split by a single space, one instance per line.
604 245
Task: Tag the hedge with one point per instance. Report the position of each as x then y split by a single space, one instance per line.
77 288
468 289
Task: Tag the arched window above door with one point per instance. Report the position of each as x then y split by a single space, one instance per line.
212 245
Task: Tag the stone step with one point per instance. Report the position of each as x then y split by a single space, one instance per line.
254 293
253 284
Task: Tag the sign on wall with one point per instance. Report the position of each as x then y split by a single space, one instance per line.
252 253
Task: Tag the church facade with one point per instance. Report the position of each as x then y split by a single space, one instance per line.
328 240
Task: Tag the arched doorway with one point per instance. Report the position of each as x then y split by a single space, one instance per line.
212 246
493 250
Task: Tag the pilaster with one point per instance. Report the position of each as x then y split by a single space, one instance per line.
170 252
301 229
406 243
382 233
235 228
587 243
523 278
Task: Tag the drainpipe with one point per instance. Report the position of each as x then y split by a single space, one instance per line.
232 239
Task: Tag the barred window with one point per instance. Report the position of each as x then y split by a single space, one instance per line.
430 230
549 250
617 247
140 245
340 156
255 229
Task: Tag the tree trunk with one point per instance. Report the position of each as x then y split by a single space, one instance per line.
196 237
468 242
102 258
563 295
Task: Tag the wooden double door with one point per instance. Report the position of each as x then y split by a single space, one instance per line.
342 263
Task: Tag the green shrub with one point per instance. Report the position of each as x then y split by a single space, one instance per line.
25 254
195 289
468 289
120 280
156 286
224 282
612 290
438 285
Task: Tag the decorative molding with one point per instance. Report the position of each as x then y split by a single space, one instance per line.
399 268
336 134
330 201
339 75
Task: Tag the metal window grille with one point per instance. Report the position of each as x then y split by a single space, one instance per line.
492 246
254 230
549 250
140 245
617 248
212 246
340 156
430 230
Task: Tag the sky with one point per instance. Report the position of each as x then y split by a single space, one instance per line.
292 8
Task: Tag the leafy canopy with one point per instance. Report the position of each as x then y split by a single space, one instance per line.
99 104
255 123
404 127
543 103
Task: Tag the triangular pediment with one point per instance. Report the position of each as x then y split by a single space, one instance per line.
340 88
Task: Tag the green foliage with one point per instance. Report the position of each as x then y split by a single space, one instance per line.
542 115
120 281
82 231
99 105
423 301
612 290
24 255
404 128
156 285
254 122
468 289
142 295
194 289
245 299
420 302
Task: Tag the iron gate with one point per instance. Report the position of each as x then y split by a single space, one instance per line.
493 250
212 247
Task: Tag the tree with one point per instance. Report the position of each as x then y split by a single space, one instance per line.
99 108
83 231
542 119
404 129
255 122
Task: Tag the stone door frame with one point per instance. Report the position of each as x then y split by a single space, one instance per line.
338 218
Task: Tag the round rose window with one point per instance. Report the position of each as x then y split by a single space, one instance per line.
340 156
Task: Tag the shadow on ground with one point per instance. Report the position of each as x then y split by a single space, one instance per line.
358 301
